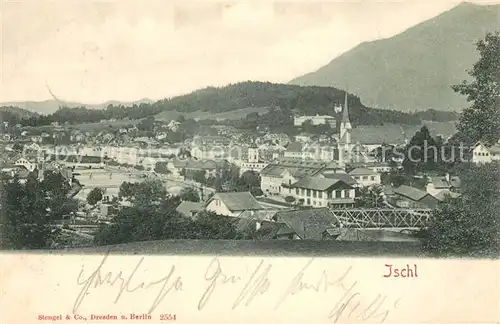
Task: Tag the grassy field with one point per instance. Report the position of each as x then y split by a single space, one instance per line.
90 127
256 248
202 115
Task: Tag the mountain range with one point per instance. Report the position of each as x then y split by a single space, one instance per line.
413 70
47 107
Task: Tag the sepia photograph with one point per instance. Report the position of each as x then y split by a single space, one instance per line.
251 128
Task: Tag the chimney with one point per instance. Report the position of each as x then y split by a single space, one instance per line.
257 225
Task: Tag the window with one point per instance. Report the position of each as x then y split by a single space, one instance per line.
308 193
329 195
297 191
320 194
372 178
365 177
347 193
302 192
314 193
308 201
338 194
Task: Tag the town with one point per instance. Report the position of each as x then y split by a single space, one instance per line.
256 162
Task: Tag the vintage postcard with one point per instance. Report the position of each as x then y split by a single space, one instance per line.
249 161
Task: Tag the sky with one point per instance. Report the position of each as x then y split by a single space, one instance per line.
94 51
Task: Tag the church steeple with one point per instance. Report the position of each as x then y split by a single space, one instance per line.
345 124
345 114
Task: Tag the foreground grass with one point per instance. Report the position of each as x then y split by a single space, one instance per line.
254 248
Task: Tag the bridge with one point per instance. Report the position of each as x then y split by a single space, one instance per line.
395 218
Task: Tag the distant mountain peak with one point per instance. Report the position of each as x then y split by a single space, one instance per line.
415 69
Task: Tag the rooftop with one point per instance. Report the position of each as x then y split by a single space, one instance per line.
362 171
410 192
236 201
308 223
317 183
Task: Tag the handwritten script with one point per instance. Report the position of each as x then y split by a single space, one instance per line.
125 284
243 289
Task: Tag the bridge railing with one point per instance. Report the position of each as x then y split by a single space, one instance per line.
375 217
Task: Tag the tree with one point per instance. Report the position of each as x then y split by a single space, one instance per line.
421 152
28 211
147 192
18 147
145 222
94 196
468 225
370 197
189 194
209 225
161 167
146 124
481 121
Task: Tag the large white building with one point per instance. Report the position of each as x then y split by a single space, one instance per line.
315 120
311 183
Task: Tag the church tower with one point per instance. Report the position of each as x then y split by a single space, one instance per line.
253 153
344 144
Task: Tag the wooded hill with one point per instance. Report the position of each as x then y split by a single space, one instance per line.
307 100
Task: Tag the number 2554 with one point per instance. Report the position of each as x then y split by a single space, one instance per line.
167 317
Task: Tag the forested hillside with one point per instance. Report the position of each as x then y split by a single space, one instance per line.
310 100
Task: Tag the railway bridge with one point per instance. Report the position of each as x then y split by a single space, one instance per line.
386 218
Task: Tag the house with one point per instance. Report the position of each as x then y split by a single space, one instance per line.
410 197
379 167
365 177
173 125
444 184
306 224
21 174
482 153
161 136
232 203
324 191
209 152
311 151
209 167
189 208
294 150
303 137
